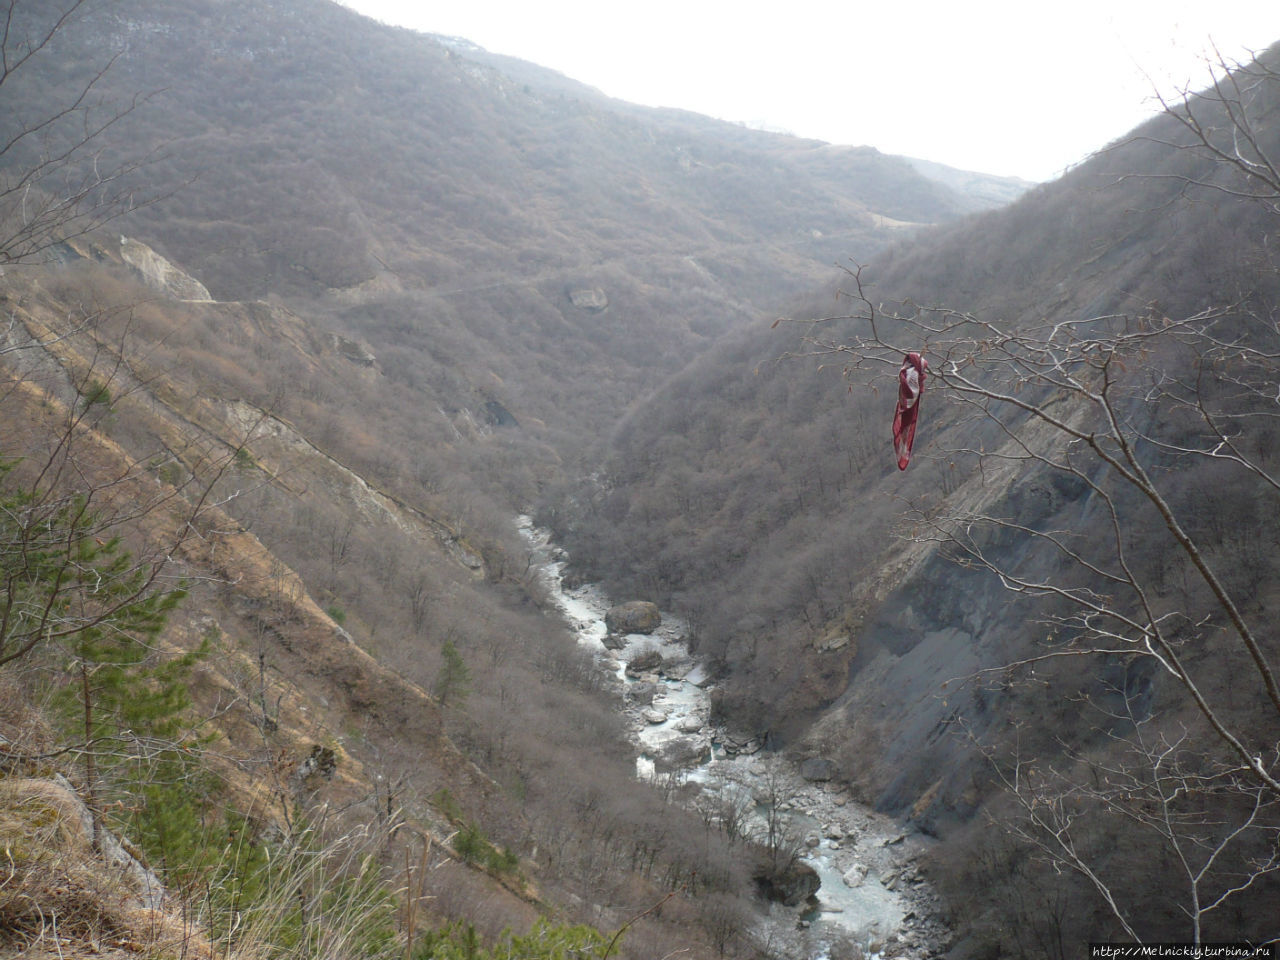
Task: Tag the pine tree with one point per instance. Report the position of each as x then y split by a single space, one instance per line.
124 700
453 682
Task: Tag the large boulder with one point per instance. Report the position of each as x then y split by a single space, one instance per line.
591 299
855 875
635 616
641 692
681 753
817 770
792 886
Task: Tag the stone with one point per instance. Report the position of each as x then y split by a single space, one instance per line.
682 752
635 616
653 716
641 692
676 669
648 662
591 299
832 643
846 949
855 875
614 641
792 886
690 725
817 770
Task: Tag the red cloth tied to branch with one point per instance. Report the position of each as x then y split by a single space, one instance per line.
910 389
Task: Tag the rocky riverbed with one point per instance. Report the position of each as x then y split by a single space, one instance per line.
871 899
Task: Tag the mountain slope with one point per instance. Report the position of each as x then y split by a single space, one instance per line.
760 496
323 606
403 190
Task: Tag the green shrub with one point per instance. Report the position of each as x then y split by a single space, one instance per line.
545 941
95 391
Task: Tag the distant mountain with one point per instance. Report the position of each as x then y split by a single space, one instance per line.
985 190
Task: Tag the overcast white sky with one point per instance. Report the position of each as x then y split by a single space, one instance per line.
1014 88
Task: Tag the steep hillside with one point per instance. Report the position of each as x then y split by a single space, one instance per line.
1127 310
354 671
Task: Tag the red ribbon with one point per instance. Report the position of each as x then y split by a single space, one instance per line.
910 388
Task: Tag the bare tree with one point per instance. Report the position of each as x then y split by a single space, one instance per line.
781 839
1224 123
1213 830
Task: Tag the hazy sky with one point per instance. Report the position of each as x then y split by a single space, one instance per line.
1018 88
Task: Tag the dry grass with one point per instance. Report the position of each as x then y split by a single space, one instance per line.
60 898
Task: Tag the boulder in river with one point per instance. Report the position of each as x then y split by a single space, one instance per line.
635 616
792 886
641 692
817 770
855 875
648 662
680 753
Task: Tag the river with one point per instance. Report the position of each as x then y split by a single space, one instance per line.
872 896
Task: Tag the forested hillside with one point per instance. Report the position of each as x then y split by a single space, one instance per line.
1094 472
479 231
299 311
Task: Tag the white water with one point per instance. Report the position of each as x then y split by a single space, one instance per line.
862 913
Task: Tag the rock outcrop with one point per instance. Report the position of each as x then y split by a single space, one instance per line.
159 274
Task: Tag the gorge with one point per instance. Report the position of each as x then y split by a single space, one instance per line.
859 861
333 302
